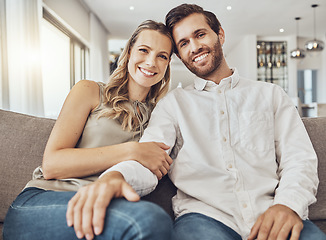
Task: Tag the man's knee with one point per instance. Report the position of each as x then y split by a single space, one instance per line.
311 231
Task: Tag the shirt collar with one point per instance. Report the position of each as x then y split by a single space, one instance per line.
200 83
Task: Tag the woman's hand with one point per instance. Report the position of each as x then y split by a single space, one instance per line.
153 156
86 210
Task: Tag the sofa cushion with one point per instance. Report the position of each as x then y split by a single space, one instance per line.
163 194
316 128
23 139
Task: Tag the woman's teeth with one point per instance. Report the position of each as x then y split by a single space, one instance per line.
146 72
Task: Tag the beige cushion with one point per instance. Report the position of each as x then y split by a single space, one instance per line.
23 139
316 128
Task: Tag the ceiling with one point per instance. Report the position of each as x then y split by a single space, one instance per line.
258 17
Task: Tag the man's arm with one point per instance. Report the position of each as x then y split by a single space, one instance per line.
296 158
141 179
297 172
161 128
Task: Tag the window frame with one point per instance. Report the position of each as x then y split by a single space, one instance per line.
75 40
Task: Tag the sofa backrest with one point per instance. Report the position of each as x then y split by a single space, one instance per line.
316 128
22 142
23 139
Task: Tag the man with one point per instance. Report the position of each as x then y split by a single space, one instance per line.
245 167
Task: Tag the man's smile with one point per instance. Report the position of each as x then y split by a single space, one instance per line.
201 57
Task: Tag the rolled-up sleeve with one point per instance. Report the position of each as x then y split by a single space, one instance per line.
142 180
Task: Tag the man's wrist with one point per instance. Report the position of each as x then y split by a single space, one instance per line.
112 174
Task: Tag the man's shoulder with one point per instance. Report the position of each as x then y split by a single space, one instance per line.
251 82
176 96
179 91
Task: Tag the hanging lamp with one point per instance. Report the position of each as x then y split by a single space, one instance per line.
297 53
314 45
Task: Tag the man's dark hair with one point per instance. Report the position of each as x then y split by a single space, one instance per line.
182 11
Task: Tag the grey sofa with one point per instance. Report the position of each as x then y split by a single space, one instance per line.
23 138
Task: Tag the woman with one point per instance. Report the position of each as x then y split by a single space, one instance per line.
98 127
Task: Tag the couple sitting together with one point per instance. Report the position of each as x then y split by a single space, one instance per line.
236 150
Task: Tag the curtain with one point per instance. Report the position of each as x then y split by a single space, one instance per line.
23 19
4 88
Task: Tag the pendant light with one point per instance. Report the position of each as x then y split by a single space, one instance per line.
297 53
314 45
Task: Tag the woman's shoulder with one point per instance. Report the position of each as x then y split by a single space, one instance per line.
87 85
88 90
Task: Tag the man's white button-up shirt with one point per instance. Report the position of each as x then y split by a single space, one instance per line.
239 148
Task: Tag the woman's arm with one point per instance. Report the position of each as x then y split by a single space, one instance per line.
61 158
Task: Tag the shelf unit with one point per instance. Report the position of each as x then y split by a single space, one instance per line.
272 62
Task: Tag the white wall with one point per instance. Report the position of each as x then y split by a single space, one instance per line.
315 61
243 57
321 91
74 13
99 54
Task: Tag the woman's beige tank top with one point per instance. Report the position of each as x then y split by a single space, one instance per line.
98 132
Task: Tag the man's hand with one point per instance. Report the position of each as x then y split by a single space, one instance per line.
278 222
86 210
152 155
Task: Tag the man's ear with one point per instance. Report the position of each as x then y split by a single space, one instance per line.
221 36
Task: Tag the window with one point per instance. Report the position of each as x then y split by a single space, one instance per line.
307 86
55 48
64 62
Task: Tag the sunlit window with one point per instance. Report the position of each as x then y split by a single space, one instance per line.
64 63
55 48
307 86
0 72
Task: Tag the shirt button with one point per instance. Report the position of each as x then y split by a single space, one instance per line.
224 139
219 91
230 166
244 205
222 112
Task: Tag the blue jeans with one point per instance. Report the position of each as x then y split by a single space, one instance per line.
39 214
195 226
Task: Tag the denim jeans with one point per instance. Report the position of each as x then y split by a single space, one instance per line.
39 214
195 226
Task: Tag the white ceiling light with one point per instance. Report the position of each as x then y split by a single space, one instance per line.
314 45
297 53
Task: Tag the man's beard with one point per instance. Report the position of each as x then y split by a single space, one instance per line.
205 71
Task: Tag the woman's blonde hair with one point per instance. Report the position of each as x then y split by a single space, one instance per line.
116 91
